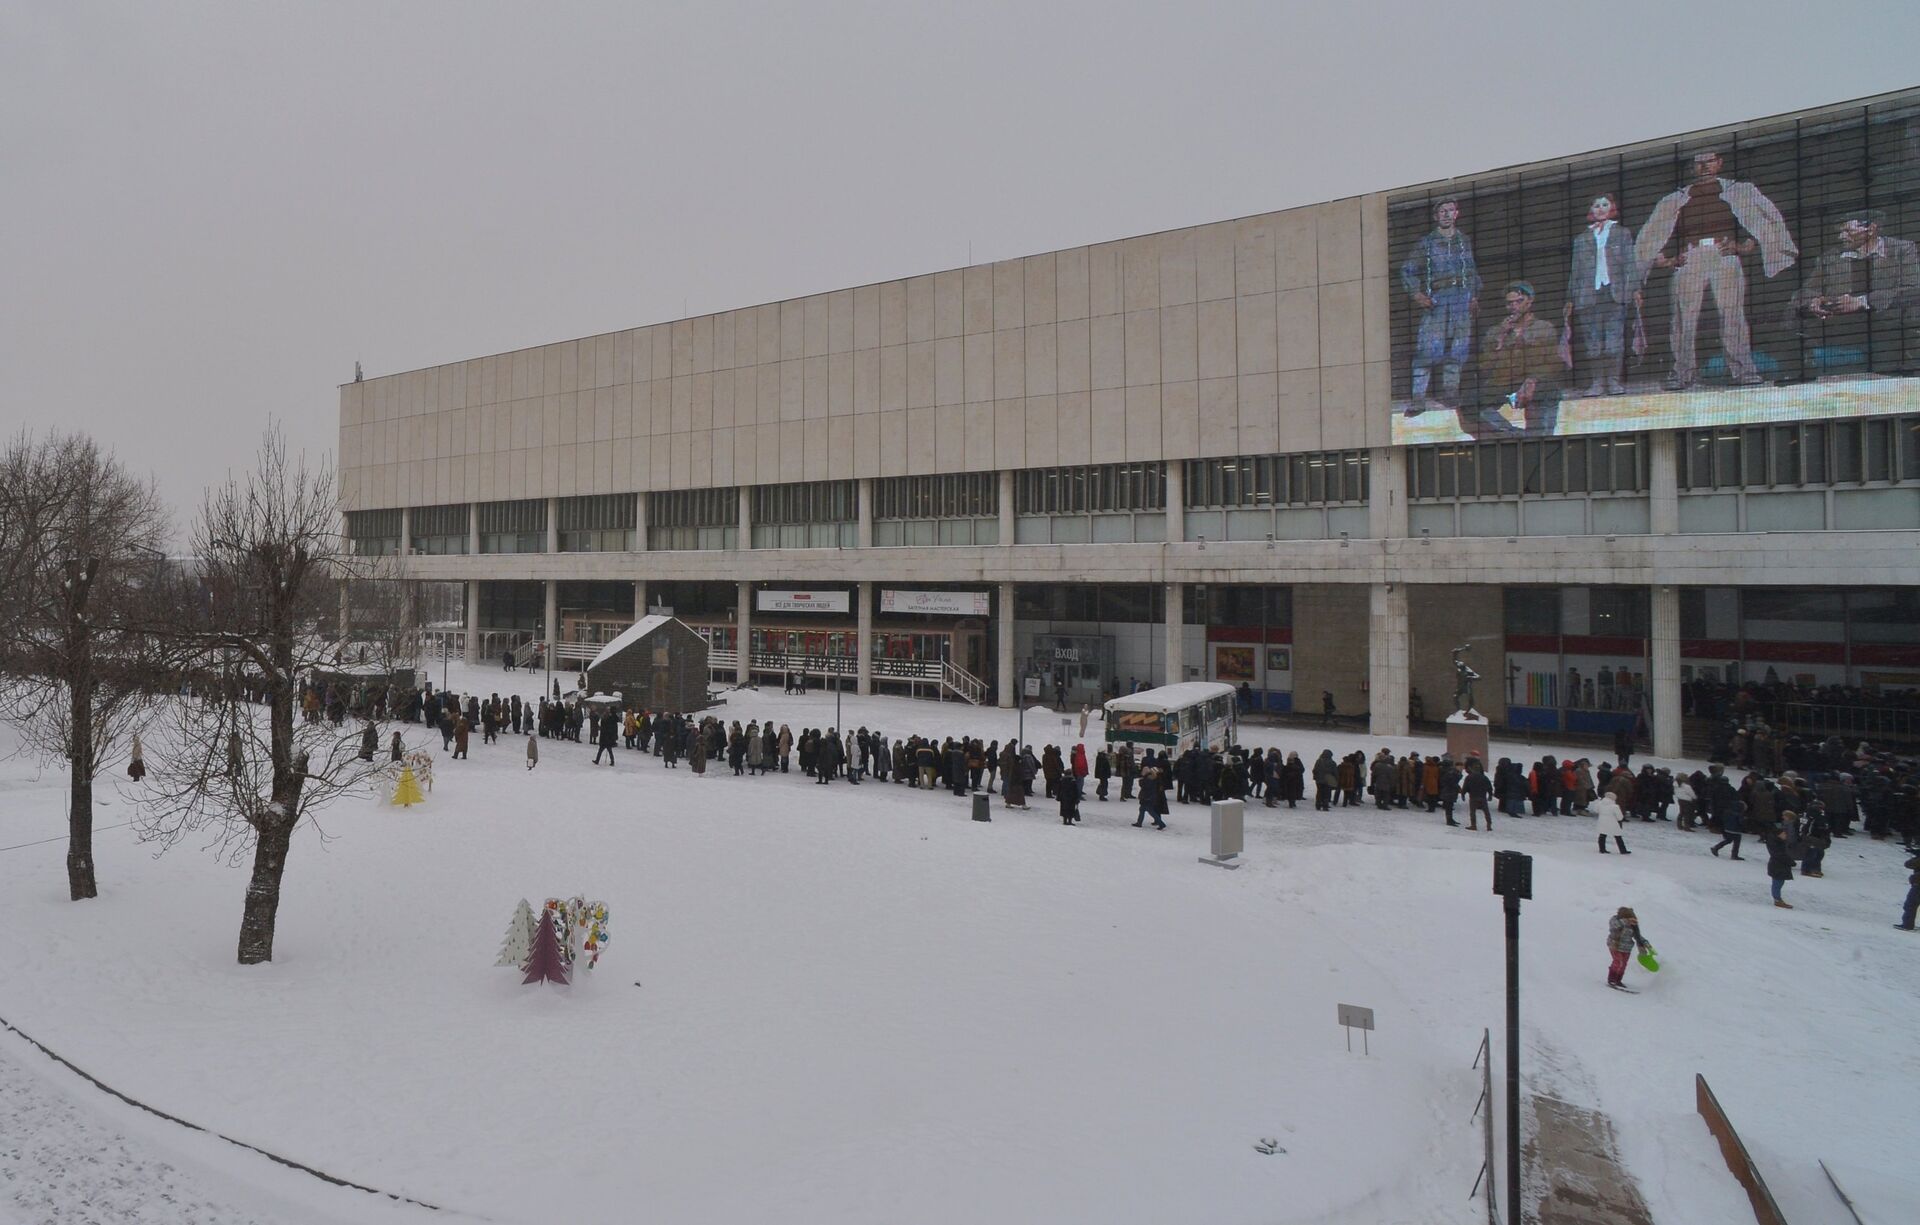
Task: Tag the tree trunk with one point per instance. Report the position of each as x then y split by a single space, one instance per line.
79 668
263 893
80 882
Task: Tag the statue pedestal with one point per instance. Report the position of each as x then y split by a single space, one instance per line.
1467 735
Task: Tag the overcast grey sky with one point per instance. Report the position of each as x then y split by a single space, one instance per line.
209 211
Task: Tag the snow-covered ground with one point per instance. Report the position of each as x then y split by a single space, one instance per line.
855 1004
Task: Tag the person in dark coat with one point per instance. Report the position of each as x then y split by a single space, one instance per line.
1912 904
1478 787
1780 865
1102 772
1326 776
396 748
1153 798
1067 791
461 731
369 742
1293 780
1015 794
1732 821
609 729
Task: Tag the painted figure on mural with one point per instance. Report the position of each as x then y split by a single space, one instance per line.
1520 371
1702 231
1444 283
1869 279
1602 283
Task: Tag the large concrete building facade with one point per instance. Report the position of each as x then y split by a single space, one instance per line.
1311 450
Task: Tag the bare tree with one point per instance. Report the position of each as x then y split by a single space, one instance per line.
79 556
239 764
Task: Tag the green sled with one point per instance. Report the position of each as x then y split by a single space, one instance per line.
1648 961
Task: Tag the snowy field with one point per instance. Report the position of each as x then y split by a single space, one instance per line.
843 1004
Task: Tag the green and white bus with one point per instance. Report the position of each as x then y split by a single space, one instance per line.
1175 717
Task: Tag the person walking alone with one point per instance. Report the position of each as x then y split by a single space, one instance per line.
609 728
1612 822
1780 865
1732 820
1623 936
1912 905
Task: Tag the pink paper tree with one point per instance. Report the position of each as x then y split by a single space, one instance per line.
545 963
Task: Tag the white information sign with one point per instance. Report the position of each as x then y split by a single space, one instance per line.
803 601
937 603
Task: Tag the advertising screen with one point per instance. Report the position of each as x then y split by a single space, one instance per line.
1769 274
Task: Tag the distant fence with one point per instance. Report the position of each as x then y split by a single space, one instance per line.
1483 1059
1873 723
1738 1160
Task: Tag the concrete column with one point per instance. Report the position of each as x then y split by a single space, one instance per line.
746 518
743 622
640 523
1389 659
1006 684
1176 500
863 638
472 653
639 599
1176 634
552 626
1663 484
863 531
1387 493
473 528
406 530
553 525
1006 506
1663 671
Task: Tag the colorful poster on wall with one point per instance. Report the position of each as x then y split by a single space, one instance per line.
1233 664
1279 659
1765 275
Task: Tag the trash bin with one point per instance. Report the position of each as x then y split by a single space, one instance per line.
980 804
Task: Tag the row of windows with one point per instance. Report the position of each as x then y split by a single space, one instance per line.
1611 612
955 495
1825 453
440 529
806 502
601 523
1090 487
374 532
1277 480
663 538
693 508
1509 469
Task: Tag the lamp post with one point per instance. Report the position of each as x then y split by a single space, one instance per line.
1513 881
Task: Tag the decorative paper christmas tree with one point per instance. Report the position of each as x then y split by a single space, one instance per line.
407 793
519 941
544 962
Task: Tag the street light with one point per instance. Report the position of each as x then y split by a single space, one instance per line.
1513 881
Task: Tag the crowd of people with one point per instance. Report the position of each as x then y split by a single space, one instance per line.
1795 798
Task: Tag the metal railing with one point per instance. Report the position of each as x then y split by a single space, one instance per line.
937 672
1483 1059
1874 723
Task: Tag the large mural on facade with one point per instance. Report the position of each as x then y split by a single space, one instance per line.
1767 274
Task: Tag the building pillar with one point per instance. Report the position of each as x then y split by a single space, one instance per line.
551 625
639 599
1006 684
640 524
1663 671
471 653
1006 506
1389 659
553 525
406 530
743 631
1176 633
1663 483
473 529
1387 493
863 639
863 530
745 540
1176 500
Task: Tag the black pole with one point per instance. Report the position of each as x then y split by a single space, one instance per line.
1514 1211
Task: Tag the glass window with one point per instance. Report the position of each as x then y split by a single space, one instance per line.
1532 610
1576 466
1753 456
1909 431
1846 452
1786 454
1878 446
1726 459
1813 454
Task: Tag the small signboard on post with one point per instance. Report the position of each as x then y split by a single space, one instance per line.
1352 1017
1031 687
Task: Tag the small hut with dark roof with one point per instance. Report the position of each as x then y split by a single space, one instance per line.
655 664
